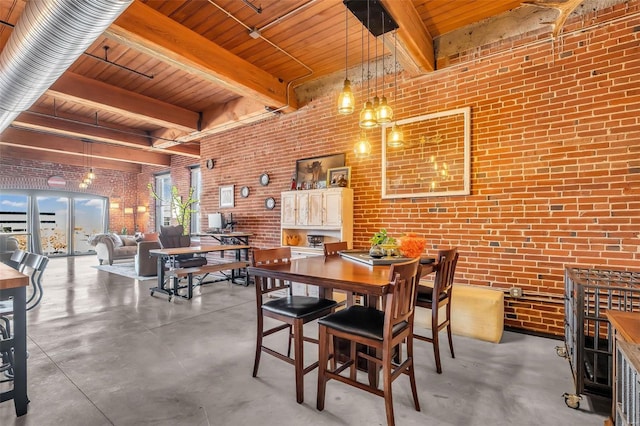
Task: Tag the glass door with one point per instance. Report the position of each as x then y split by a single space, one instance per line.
53 223
89 219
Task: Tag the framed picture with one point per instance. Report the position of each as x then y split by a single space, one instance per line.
226 196
339 176
311 171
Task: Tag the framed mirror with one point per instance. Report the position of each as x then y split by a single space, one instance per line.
435 159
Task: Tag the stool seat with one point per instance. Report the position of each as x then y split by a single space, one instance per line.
298 306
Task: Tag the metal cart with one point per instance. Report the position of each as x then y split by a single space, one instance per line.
588 336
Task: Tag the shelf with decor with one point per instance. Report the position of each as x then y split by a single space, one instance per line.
310 218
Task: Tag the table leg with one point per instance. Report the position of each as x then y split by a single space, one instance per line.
20 398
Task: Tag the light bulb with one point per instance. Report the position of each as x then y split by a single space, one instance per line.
346 100
368 116
396 137
384 113
362 147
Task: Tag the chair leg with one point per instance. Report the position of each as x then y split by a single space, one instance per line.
434 338
298 341
323 343
411 373
291 337
388 396
259 331
449 329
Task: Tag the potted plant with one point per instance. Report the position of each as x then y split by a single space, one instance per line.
182 209
380 242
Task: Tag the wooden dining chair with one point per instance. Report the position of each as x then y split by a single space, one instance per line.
333 249
379 331
445 269
293 311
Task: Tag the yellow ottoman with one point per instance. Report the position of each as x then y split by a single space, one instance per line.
476 312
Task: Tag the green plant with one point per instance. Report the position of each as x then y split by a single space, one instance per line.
181 209
381 237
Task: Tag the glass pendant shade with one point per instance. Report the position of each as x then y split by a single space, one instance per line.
384 113
83 185
368 116
87 181
346 100
362 147
91 175
396 137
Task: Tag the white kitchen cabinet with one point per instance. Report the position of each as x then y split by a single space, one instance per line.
326 212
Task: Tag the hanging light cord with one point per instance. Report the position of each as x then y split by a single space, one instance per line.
346 50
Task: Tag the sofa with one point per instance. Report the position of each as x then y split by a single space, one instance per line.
113 247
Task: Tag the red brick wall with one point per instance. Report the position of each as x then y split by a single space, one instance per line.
555 162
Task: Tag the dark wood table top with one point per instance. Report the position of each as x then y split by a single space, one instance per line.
330 272
11 278
203 248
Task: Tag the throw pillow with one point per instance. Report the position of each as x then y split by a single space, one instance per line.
117 241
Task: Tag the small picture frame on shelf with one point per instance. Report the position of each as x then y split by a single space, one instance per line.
339 177
227 196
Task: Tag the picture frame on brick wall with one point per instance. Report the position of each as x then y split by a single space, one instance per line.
311 172
435 159
339 177
227 196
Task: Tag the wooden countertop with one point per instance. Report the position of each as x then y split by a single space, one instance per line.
626 323
10 278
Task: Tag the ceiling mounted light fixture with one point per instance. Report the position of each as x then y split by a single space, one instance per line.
384 113
368 113
346 100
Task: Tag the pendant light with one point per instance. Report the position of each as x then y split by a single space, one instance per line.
396 136
384 113
362 147
368 113
346 100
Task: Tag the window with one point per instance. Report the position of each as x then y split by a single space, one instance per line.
163 204
196 183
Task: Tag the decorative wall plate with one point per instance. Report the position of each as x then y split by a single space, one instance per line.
264 179
270 203
244 191
210 163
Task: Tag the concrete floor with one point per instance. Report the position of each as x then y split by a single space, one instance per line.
104 352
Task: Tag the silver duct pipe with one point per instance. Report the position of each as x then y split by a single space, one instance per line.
49 36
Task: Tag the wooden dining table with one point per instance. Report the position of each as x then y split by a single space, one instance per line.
13 284
335 273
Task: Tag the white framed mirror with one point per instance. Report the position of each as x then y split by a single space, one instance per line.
435 159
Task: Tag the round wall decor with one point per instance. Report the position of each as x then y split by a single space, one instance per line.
244 191
211 163
270 203
264 179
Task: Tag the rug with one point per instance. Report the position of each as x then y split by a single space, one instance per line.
124 269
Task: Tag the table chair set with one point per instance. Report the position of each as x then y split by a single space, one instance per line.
376 337
33 265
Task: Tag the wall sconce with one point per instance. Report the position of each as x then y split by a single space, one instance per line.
141 209
114 205
128 210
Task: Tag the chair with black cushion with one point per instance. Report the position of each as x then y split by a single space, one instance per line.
379 331
292 311
171 237
445 269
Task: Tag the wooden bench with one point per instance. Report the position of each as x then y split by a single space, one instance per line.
203 270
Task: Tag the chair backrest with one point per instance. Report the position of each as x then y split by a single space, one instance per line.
401 300
269 256
445 271
332 249
17 259
171 237
34 266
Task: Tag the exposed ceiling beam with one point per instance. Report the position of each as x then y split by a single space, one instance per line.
96 94
77 129
62 158
53 143
415 44
143 28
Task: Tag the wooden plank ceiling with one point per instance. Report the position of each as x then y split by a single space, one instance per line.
166 73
